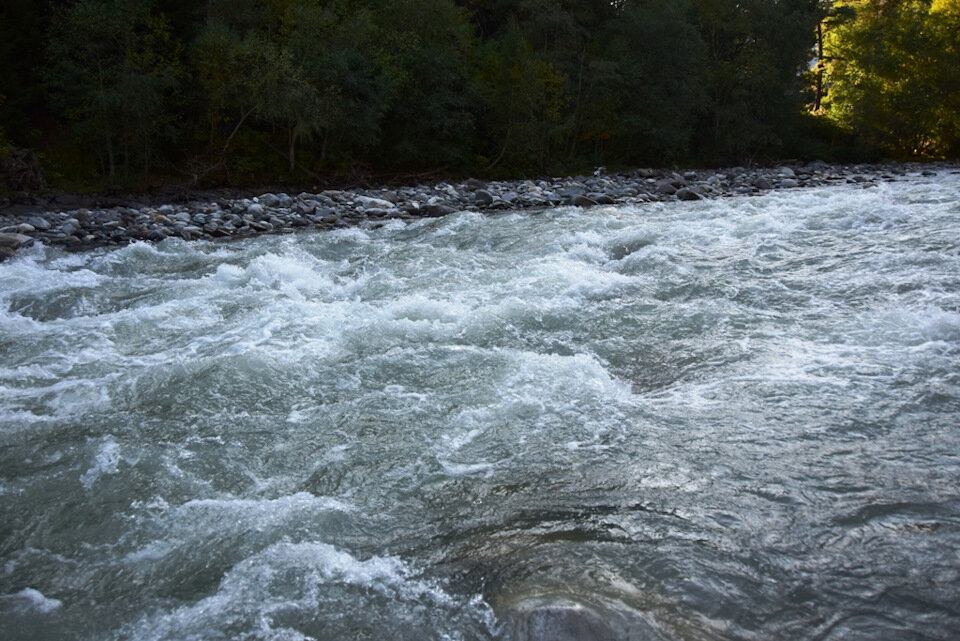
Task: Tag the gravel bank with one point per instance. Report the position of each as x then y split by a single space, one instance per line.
226 218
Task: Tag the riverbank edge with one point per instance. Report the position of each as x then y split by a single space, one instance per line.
222 216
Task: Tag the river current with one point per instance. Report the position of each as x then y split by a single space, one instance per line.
721 420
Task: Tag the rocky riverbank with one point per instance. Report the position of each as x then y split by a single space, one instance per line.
225 218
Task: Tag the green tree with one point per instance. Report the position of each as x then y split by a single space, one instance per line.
522 102
337 48
111 72
892 75
647 92
425 61
757 50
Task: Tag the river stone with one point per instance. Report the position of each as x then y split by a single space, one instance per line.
190 231
7 252
567 621
688 194
255 209
39 223
763 183
483 197
269 200
789 183
666 187
584 201
436 210
14 241
70 227
374 203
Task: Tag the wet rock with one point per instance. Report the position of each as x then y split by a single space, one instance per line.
687 194
666 187
15 241
116 221
436 210
41 224
569 621
483 197
374 203
561 623
190 231
269 200
70 227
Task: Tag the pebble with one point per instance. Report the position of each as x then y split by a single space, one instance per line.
283 213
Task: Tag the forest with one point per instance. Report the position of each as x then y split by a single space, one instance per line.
105 93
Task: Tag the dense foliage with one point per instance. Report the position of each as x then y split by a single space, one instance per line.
893 74
245 90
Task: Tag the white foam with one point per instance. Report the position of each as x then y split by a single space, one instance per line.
287 577
278 508
29 599
106 462
465 469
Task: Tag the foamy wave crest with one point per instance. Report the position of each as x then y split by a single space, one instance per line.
300 590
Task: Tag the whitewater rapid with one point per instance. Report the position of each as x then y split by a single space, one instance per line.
728 419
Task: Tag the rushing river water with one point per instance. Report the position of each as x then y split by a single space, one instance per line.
736 419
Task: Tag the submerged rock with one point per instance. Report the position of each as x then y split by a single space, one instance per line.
566 620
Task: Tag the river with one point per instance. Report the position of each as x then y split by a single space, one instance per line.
719 420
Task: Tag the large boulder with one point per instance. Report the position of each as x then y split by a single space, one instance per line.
10 243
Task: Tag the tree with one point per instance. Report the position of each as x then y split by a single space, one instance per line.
757 50
425 63
112 67
647 92
522 98
892 75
